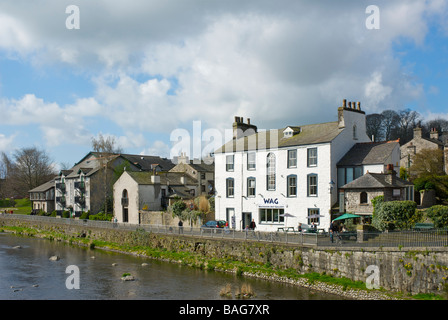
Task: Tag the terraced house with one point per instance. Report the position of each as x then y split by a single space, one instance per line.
287 176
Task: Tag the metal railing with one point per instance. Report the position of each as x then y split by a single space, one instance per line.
409 238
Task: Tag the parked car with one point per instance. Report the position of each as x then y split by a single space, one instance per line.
213 224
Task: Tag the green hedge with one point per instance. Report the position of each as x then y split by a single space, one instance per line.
101 216
392 215
439 215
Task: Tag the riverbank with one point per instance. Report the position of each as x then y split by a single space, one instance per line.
322 282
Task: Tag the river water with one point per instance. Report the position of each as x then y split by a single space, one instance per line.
26 273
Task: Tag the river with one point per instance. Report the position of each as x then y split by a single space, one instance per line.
27 273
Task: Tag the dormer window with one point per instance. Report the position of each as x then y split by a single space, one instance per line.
290 131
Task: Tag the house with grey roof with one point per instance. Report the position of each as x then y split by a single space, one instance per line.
201 170
420 142
368 157
87 186
43 197
267 175
135 192
357 195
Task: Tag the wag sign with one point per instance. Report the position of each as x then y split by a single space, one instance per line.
270 203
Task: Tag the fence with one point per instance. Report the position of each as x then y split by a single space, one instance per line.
408 238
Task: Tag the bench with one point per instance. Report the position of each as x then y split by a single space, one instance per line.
423 226
347 235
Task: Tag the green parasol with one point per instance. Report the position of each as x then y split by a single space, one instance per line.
347 216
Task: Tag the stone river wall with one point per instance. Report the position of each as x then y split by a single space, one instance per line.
418 270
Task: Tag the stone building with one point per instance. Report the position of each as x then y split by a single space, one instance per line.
418 143
201 170
135 192
359 193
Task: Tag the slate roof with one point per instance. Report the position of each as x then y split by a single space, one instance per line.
368 153
91 165
44 187
375 181
166 178
145 163
310 134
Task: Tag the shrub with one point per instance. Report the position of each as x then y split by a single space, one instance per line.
438 183
439 215
66 214
85 215
101 216
390 215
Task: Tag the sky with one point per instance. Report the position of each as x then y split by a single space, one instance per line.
152 73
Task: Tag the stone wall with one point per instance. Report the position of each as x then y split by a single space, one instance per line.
415 270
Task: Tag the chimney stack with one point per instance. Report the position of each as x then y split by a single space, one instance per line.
434 134
417 132
390 174
241 129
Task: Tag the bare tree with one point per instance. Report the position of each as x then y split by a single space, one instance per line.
441 125
375 127
408 120
29 168
105 144
390 122
107 149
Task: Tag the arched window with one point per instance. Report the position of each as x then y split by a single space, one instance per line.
270 172
124 198
363 197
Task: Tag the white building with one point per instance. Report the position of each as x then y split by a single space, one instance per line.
135 192
264 175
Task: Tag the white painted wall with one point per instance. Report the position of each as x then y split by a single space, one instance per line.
328 155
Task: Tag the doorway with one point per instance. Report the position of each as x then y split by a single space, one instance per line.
247 218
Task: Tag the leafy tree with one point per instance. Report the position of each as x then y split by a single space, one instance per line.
427 162
178 208
439 215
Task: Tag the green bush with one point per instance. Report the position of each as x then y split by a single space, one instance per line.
66 214
439 215
85 215
101 216
392 215
438 183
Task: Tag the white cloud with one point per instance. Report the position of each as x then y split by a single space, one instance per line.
274 62
58 124
6 142
158 148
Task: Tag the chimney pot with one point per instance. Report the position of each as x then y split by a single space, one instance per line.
344 103
359 105
349 105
